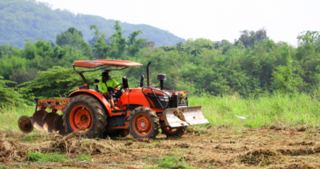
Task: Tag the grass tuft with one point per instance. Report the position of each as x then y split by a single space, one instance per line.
172 162
42 158
84 158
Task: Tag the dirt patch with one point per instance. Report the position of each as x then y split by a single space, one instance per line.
300 151
301 143
183 145
298 166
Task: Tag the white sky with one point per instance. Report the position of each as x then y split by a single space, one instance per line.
210 19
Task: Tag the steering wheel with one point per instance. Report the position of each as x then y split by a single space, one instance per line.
119 92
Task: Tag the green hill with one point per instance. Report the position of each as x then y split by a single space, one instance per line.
22 19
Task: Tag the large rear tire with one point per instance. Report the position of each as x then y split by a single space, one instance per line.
86 113
176 131
143 123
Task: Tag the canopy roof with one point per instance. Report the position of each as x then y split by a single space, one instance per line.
104 62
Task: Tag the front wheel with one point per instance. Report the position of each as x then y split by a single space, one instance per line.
144 123
175 131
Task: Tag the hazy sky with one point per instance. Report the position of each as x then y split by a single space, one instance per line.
211 19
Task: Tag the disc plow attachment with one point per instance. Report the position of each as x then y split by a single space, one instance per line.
42 120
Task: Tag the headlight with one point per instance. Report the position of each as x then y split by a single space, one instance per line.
164 98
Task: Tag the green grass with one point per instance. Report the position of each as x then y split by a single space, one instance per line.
54 157
42 158
172 162
33 137
84 158
10 115
278 109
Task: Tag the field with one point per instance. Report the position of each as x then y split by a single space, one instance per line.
279 131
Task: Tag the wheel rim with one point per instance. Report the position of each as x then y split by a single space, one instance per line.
81 118
171 130
25 124
142 124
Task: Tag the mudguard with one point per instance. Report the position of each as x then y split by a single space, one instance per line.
95 94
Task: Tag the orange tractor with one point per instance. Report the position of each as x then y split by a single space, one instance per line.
139 111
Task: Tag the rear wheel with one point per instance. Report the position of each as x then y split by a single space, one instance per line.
144 123
175 131
84 112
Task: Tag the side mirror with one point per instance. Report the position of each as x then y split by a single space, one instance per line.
96 81
125 82
141 80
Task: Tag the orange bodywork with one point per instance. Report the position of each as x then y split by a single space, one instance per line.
44 104
133 96
97 95
98 63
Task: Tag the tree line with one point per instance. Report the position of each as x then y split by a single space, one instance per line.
253 65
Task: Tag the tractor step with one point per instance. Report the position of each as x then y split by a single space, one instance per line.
184 116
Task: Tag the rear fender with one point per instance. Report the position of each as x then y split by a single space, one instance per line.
95 94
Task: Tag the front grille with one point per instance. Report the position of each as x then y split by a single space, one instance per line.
155 100
178 100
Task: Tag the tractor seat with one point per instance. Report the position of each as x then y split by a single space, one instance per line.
96 87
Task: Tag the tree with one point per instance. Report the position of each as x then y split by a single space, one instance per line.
8 96
283 77
74 38
249 38
134 44
118 43
101 47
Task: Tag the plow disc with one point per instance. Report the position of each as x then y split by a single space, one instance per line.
48 121
58 126
184 116
25 124
37 119
42 120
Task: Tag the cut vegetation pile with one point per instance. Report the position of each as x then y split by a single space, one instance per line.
10 150
209 147
262 157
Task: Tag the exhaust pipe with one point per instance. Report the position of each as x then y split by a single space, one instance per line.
148 74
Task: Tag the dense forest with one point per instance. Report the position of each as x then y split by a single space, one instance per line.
31 20
251 66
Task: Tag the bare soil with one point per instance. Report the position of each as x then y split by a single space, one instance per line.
200 148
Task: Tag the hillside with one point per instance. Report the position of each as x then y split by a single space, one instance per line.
21 20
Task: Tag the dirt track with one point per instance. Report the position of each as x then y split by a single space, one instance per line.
202 148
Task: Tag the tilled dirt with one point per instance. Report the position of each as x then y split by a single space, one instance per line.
200 148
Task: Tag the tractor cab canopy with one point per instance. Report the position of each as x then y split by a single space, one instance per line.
104 64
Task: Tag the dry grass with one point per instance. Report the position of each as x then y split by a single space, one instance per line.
199 148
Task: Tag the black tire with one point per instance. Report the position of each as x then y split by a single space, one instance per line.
150 119
116 133
178 131
98 118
